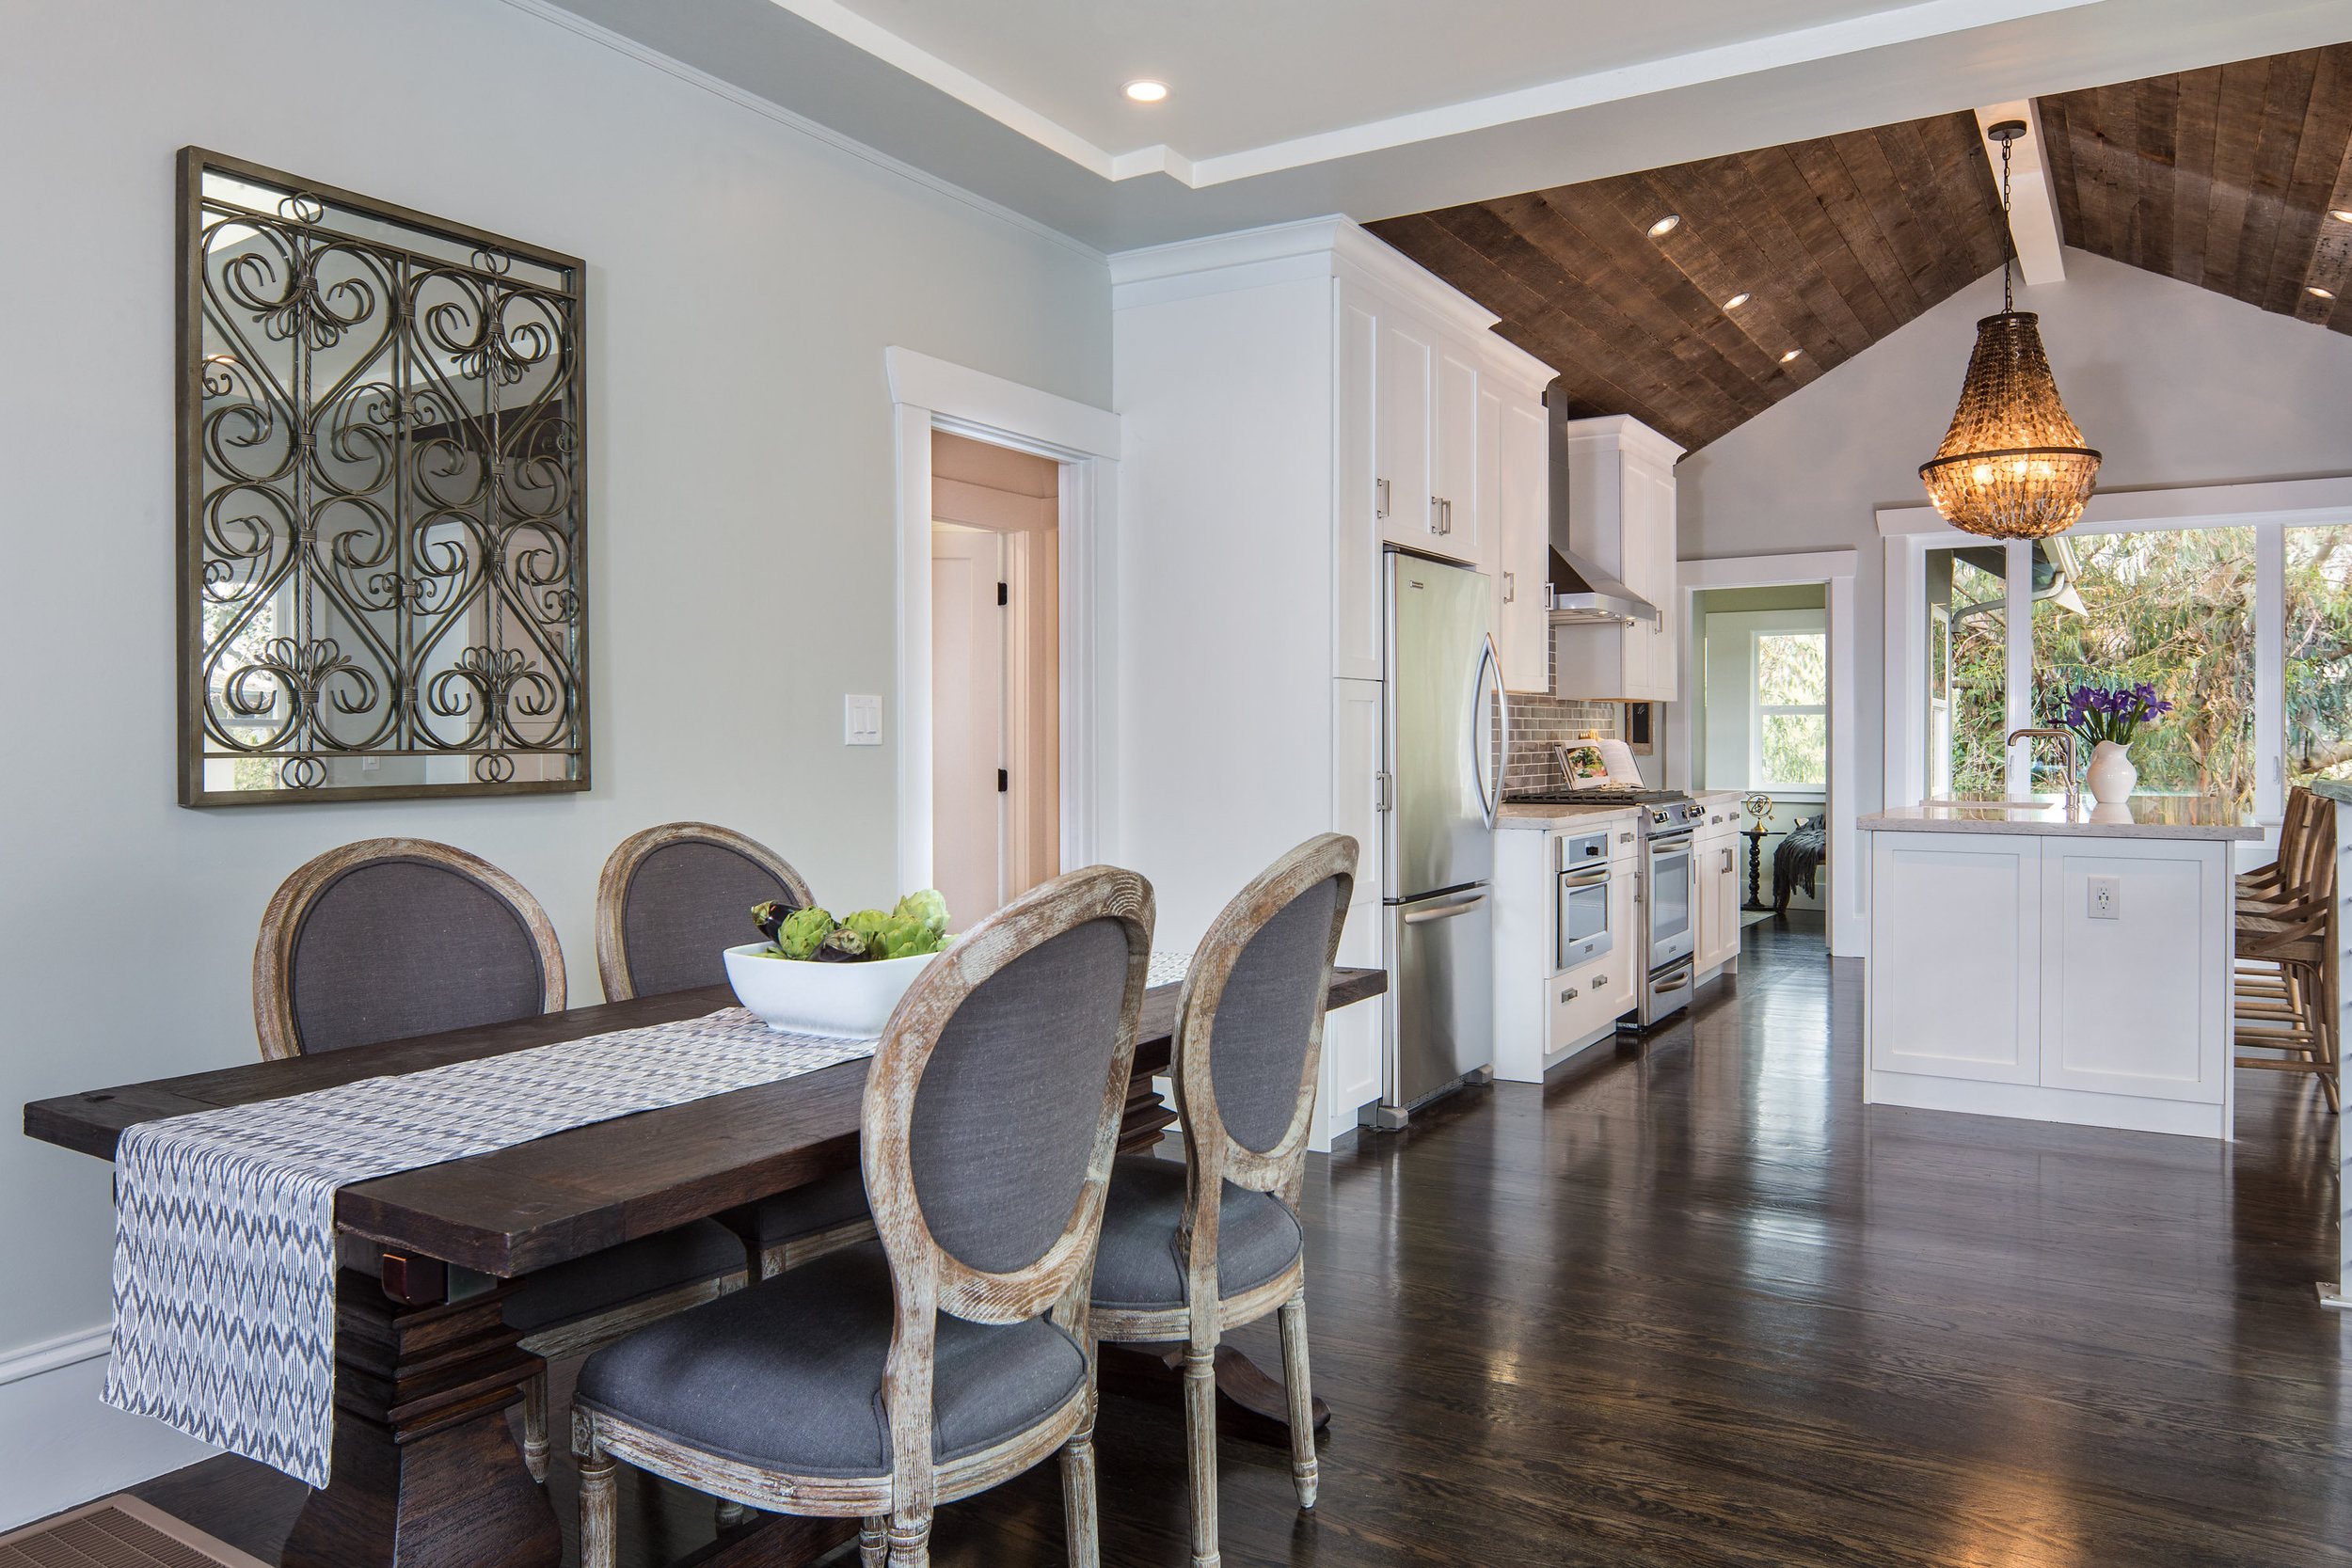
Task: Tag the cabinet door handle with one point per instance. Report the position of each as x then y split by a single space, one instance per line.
1447 508
1510 587
1727 862
1380 490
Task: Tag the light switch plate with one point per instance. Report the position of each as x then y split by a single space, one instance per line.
861 720
2107 898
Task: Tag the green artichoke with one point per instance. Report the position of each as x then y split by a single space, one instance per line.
866 922
803 932
769 916
905 936
844 947
927 907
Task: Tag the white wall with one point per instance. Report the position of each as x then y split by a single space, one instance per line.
745 277
2175 384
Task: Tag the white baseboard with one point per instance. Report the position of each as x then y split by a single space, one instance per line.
59 1446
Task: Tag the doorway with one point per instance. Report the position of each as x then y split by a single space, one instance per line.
995 674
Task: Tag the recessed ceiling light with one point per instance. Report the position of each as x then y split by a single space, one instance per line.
1735 302
2342 215
1665 226
1790 354
1145 91
2323 293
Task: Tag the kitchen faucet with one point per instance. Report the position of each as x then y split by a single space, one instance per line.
2073 789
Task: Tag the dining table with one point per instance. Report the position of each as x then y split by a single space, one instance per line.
425 1471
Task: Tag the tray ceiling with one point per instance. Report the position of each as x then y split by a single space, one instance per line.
2221 177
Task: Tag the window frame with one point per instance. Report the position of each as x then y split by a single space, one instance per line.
2270 508
1758 711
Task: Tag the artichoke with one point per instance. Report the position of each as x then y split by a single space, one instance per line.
927 907
803 932
769 916
844 947
867 923
905 936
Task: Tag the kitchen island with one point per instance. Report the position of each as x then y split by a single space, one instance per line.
2055 964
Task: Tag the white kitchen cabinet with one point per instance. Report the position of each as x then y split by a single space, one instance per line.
1996 986
1715 889
1267 383
1522 542
1621 519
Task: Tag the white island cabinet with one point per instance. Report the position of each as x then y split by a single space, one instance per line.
2064 966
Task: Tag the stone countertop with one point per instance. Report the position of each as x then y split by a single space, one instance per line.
1540 818
2333 789
2141 816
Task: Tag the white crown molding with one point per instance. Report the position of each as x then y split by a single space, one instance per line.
767 109
990 402
66 1350
1753 571
1624 432
1749 56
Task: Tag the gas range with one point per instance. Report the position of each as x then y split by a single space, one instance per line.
1665 810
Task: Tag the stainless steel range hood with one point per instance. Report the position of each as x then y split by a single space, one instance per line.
1581 592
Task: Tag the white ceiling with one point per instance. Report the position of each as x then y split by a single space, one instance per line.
1289 108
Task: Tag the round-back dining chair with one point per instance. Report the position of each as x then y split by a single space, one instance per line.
673 899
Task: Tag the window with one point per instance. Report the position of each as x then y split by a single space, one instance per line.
2318 654
1967 672
1789 735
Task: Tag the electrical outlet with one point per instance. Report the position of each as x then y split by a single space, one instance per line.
861 720
2107 898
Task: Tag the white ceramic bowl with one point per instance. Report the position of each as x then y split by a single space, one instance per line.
804 997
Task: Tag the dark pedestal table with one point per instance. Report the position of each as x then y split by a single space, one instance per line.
425 1472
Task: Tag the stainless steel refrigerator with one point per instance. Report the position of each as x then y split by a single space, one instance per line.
1440 741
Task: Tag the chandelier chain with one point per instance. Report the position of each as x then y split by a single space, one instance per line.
2009 238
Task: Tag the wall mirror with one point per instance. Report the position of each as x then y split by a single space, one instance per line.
382 459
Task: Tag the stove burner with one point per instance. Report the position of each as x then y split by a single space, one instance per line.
1599 797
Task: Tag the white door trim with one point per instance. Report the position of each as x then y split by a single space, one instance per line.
1849 924
929 394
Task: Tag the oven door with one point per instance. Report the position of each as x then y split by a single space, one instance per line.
1580 923
1668 904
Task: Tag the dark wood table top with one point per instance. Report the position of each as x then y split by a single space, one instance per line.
573 1192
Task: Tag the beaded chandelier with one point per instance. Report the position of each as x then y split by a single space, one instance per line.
2013 466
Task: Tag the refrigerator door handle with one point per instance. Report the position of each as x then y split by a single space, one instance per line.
1490 800
1445 912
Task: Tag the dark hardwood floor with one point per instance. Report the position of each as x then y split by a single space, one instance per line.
1690 1302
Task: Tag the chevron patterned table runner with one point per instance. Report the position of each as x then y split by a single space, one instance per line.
224 1271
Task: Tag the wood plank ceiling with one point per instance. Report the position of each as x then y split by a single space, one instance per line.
2222 178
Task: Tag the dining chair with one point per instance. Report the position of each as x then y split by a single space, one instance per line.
670 902
885 1380
391 938
1190 1250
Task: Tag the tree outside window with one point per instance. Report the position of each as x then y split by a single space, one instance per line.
2319 653
1789 738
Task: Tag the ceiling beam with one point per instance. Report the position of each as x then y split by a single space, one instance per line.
2033 216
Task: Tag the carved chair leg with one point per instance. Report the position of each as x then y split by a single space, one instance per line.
597 1525
1304 1468
1200 1447
910 1541
536 1424
873 1542
1079 1515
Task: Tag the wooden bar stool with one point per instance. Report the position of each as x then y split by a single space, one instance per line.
1191 1250
2286 984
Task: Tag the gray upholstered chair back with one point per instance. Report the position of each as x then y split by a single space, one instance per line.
992 1111
674 898
393 937
1250 1025
1003 1120
1266 1018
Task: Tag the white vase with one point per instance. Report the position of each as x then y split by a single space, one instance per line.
2112 778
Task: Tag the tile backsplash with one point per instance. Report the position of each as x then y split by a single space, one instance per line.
1540 721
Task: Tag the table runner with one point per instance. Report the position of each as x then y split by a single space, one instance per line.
224 1271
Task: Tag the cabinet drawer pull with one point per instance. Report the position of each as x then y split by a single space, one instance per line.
1600 980
1570 995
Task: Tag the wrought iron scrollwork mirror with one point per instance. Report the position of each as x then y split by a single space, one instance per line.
383 505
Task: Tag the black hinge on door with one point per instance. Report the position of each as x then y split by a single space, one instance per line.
1000 595
1003 781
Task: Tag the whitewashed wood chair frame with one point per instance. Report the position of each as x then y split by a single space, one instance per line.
1214 1157
281 924
896 1510
633 851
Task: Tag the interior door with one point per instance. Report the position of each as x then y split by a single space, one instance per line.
967 720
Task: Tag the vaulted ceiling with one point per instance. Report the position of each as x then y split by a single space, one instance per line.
2223 178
